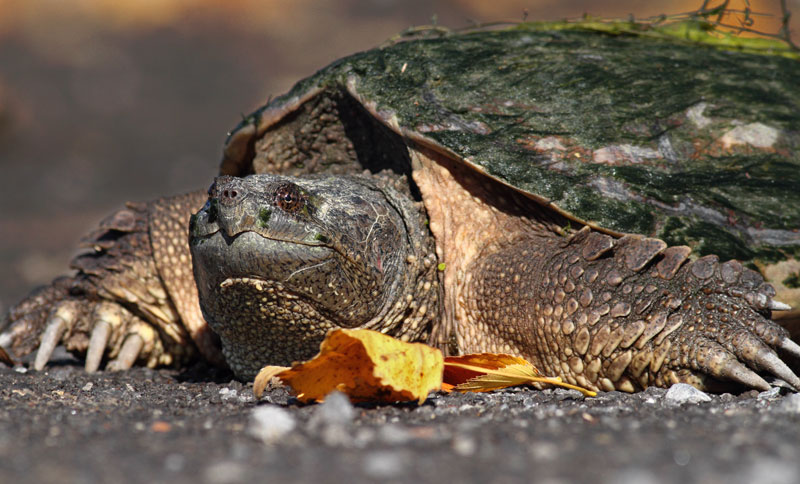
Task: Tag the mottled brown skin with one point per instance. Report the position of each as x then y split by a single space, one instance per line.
599 311
280 262
137 279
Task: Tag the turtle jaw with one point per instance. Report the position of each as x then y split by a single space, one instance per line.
263 297
278 261
271 274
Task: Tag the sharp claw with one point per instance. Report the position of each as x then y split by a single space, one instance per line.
769 361
97 345
5 339
790 347
50 339
734 370
778 306
127 354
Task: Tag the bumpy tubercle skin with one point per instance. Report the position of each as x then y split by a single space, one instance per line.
600 312
137 279
279 262
704 321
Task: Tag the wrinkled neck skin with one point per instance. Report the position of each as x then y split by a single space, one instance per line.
279 261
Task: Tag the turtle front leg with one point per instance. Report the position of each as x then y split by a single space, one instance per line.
624 314
131 301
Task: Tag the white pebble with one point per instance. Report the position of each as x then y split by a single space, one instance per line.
269 423
681 393
331 421
335 410
770 394
227 394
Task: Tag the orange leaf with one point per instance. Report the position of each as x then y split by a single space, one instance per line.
264 376
5 358
483 372
365 365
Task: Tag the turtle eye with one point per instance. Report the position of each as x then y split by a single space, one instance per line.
289 198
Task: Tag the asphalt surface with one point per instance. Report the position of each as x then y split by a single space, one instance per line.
198 425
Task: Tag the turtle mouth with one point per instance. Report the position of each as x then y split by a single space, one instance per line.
218 257
211 220
230 238
268 299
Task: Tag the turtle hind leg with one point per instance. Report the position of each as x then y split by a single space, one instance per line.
118 306
625 313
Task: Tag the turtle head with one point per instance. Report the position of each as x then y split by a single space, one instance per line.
279 261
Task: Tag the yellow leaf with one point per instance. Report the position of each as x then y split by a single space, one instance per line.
5 358
483 372
264 376
365 365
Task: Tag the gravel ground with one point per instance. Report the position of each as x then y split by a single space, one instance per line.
63 425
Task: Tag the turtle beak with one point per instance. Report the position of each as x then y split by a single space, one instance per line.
235 205
229 209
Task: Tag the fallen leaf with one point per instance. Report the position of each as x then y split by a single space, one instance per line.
483 372
366 366
5 358
264 376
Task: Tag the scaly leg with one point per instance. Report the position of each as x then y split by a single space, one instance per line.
626 313
132 299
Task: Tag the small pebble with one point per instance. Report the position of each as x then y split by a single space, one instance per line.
770 394
332 420
335 410
681 393
464 446
228 394
269 423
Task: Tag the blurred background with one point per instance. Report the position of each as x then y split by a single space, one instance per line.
103 101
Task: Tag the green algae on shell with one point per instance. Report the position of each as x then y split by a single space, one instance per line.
668 132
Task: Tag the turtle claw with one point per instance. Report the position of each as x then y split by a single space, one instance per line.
735 371
6 338
97 346
769 361
778 306
745 330
96 329
128 354
56 327
790 347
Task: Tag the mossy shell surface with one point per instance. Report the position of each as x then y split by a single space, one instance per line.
689 142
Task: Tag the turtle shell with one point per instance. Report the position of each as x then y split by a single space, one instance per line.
630 130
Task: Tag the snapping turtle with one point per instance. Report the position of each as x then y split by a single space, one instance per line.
553 191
